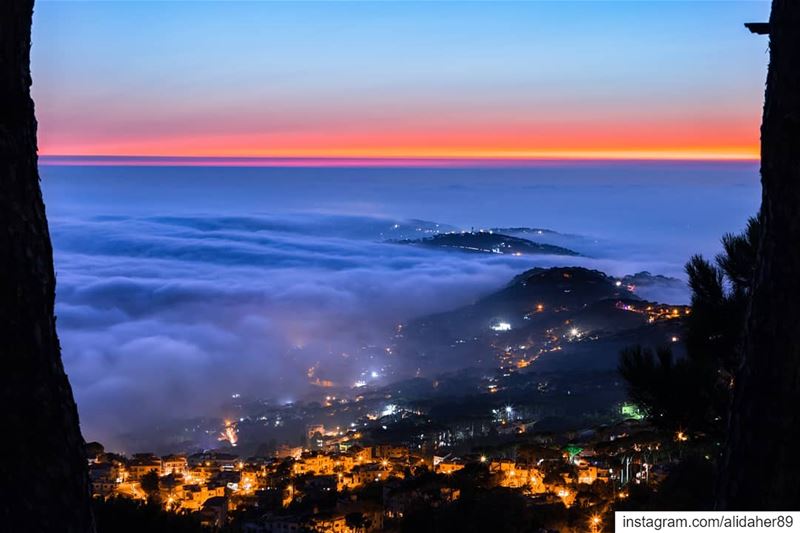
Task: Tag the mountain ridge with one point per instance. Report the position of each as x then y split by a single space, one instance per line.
487 242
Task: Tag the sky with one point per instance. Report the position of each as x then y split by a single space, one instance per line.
668 80
178 287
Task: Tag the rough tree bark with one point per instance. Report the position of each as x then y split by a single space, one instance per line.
43 477
759 468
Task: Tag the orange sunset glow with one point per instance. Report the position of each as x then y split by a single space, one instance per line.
400 82
722 140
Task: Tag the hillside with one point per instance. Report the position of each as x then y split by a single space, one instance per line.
487 242
556 319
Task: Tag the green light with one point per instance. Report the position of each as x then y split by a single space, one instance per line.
631 411
572 450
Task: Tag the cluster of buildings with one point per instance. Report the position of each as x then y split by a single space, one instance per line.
365 487
198 483
655 312
512 357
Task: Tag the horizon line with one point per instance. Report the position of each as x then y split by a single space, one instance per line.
376 161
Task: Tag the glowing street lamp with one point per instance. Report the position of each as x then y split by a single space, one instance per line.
594 524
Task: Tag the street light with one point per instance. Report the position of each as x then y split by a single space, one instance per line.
594 524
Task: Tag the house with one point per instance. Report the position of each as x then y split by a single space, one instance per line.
214 512
105 477
174 464
143 463
328 523
314 463
194 496
448 466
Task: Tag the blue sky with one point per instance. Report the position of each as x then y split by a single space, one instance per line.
398 78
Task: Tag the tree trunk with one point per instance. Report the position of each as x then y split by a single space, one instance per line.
760 470
43 475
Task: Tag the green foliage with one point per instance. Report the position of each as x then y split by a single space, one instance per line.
689 486
719 300
693 393
488 510
473 476
555 476
356 521
675 394
121 515
150 483
739 259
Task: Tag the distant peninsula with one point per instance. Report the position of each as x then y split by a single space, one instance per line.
487 242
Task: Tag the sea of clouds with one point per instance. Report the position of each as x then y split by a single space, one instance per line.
168 316
177 288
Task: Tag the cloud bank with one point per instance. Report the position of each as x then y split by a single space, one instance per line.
165 317
178 287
